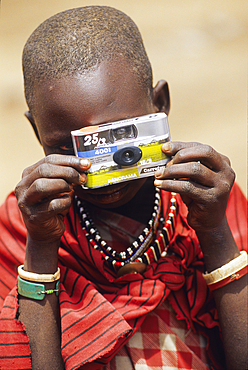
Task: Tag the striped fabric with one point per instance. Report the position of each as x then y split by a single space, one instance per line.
100 313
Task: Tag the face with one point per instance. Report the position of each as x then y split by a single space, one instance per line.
106 94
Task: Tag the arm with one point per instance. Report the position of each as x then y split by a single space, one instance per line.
231 300
44 197
204 179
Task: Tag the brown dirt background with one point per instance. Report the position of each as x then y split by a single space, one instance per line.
199 47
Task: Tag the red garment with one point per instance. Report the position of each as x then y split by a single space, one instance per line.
162 343
99 313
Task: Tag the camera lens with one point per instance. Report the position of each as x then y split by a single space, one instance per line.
127 156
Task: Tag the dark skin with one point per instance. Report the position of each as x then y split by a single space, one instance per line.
45 192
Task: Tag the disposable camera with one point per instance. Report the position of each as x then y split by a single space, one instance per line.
123 150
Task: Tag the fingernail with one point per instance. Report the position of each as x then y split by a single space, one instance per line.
82 179
84 162
167 146
158 173
158 183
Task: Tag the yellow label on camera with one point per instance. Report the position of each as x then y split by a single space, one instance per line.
104 177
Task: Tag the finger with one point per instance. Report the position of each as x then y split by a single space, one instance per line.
194 152
80 164
188 188
171 147
194 171
42 189
49 170
46 210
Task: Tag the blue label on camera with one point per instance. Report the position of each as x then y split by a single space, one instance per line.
97 152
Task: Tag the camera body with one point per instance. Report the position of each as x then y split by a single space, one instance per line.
122 150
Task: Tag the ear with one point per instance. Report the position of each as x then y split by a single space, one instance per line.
31 120
161 97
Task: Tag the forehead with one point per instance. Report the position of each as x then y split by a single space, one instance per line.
110 92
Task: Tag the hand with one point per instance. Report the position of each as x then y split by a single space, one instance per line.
45 194
203 178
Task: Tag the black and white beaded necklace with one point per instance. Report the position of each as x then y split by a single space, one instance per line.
142 250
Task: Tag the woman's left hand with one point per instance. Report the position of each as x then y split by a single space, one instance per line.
203 178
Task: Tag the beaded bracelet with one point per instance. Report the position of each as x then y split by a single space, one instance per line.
40 278
34 290
227 273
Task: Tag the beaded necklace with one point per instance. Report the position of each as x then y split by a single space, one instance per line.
142 250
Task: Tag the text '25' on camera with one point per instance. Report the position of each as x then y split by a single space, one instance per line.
122 150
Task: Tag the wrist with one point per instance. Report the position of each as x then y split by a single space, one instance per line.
41 257
218 246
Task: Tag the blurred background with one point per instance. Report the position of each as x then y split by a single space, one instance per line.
199 47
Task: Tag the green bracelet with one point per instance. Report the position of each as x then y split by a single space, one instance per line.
34 290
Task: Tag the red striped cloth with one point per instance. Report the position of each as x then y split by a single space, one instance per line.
99 313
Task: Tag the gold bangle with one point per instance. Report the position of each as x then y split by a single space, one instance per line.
41 278
227 270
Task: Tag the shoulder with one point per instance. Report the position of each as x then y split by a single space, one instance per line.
237 216
237 196
12 244
10 216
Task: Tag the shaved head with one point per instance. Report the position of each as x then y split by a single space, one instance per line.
75 41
